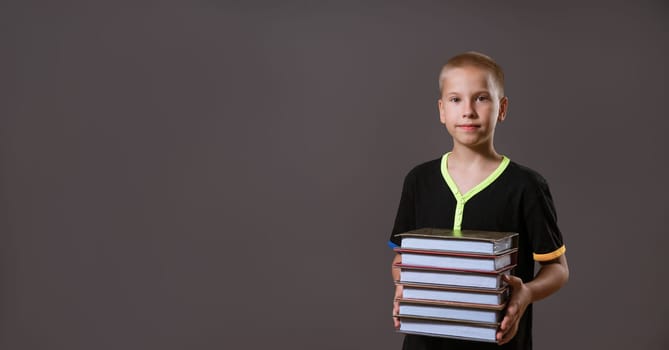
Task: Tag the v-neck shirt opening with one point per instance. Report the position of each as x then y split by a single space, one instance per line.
460 198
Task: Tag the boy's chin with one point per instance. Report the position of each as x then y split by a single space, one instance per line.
470 141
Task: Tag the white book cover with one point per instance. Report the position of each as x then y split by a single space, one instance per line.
449 312
458 294
449 277
457 330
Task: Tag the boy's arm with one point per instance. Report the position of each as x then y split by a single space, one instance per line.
551 277
398 290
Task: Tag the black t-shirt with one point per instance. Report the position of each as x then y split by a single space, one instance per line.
513 199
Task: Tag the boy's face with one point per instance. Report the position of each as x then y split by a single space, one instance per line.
470 106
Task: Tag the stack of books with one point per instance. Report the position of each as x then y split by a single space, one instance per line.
452 282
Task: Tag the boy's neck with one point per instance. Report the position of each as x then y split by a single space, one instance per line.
462 154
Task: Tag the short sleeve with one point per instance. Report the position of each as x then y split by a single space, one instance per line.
405 220
541 221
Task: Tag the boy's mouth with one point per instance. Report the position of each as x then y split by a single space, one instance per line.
468 127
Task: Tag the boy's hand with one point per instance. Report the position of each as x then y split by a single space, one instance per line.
396 305
521 297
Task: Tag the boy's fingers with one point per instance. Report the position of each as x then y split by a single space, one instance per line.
503 337
506 323
500 337
507 336
510 317
513 281
512 309
396 310
500 340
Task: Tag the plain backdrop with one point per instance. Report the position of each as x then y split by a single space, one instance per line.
225 175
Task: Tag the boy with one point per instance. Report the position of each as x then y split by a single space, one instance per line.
474 187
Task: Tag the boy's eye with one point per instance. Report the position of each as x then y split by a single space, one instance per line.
454 99
483 98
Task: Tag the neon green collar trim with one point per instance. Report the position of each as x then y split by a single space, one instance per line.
462 199
476 189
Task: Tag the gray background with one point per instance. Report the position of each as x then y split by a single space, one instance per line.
210 175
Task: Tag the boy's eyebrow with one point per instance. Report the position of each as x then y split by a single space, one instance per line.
475 92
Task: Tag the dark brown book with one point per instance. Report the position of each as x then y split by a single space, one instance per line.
472 241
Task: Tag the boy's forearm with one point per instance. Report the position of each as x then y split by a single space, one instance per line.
551 277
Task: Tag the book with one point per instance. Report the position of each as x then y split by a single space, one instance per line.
451 310
456 294
453 282
472 241
454 260
453 277
466 330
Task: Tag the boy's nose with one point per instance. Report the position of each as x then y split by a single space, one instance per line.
468 111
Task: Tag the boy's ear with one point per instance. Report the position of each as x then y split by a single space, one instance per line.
503 106
440 106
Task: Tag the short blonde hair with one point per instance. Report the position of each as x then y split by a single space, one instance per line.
475 59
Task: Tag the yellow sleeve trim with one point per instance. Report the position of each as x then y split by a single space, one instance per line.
550 256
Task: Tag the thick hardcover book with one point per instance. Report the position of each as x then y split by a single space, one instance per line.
455 294
454 260
452 277
454 311
479 331
471 241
